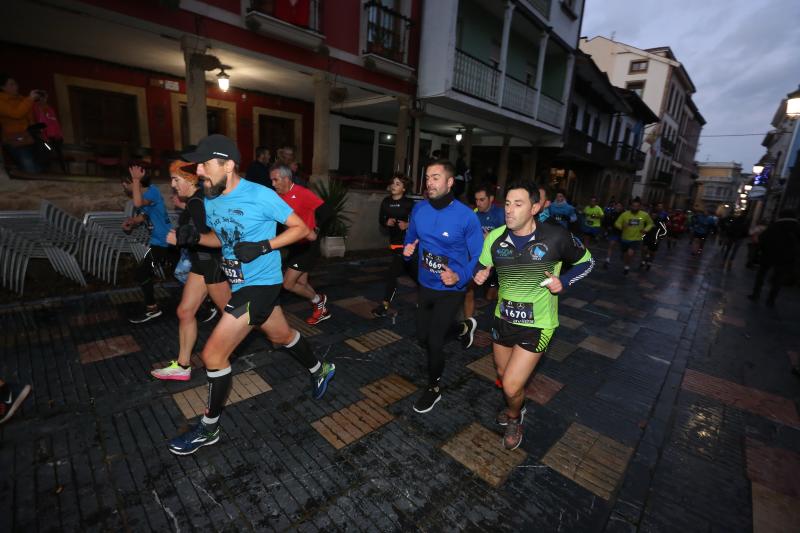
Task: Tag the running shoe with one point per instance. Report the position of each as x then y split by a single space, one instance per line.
429 398
470 325
502 417
381 311
148 314
193 440
173 372
513 434
321 378
13 399
320 311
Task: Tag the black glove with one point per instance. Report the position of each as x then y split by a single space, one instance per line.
248 251
187 236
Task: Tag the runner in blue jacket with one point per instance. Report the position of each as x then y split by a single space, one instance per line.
449 237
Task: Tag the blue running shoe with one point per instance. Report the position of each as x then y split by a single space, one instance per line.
193 440
321 378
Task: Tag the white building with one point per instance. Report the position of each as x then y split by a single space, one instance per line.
718 186
664 85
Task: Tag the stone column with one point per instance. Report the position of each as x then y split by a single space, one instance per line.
502 168
192 47
468 145
540 72
566 90
322 115
401 143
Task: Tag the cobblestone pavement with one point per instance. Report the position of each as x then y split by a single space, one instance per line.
665 403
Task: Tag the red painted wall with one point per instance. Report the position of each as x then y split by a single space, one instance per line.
340 23
35 69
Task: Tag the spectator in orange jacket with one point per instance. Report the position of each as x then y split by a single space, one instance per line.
16 115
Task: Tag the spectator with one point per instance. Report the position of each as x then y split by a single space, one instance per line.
258 171
51 134
562 211
780 251
16 116
752 246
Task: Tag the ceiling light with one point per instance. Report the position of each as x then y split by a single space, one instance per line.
459 136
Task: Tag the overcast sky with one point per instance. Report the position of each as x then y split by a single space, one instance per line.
742 55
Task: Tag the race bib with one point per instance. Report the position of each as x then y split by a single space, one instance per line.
434 263
233 270
516 312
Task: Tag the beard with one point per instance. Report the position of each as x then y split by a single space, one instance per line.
215 189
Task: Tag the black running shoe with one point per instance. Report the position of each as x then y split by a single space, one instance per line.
429 398
206 314
469 335
380 312
148 314
502 417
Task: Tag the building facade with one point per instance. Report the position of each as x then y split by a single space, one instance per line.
782 145
664 85
718 187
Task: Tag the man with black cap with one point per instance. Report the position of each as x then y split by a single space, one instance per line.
243 216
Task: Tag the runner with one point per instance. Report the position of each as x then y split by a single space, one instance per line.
302 255
675 227
393 215
652 238
702 225
205 277
160 256
593 220
490 217
528 258
243 216
613 235
562 211
633 224
449 238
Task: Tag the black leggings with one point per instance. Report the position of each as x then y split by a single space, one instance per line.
396 269
435 321
157 262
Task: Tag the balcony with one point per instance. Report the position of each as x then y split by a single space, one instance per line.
542 6
581 146
386 46
550 110
299 25
519 97
629 156
667 146
475 77
663 178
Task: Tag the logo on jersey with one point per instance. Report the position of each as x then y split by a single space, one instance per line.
503 252
445 234
538 252
237 212
503 245
577 242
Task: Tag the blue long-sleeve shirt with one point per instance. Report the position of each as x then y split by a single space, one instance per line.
451 237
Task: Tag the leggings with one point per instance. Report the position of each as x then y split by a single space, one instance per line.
157 262
435 321
396 269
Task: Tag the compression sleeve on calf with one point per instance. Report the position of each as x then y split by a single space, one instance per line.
579 270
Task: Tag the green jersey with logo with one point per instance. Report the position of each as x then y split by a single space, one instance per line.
634 225
520 299
593 216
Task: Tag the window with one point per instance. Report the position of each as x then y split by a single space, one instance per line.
638 66
355 150
587 119
106 119
530 74
386 142
573 116
596 128
637 87
494 54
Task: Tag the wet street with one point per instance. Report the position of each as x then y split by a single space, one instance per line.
666 402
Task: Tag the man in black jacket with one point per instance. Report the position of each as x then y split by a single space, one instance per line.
780 251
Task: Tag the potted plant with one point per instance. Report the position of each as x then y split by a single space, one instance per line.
333 229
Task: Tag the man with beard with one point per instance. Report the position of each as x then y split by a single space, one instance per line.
527 256
633 225
449 238
246 214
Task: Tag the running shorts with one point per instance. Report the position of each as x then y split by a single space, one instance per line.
301 257
208 266
257 300
534 340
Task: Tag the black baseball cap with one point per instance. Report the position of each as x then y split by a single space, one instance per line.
214 147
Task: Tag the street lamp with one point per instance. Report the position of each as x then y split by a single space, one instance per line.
223 80
793 104
758 169
459 136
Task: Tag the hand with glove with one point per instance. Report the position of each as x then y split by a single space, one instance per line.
249 251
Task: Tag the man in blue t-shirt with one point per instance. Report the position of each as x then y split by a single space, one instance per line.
150 210
449 238
243 216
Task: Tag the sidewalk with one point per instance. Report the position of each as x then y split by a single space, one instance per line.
665 403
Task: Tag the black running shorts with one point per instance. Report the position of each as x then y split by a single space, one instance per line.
208 266
302 257
257 300
534 340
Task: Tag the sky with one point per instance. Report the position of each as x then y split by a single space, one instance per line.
742 55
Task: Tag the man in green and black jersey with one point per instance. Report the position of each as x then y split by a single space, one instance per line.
528 258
